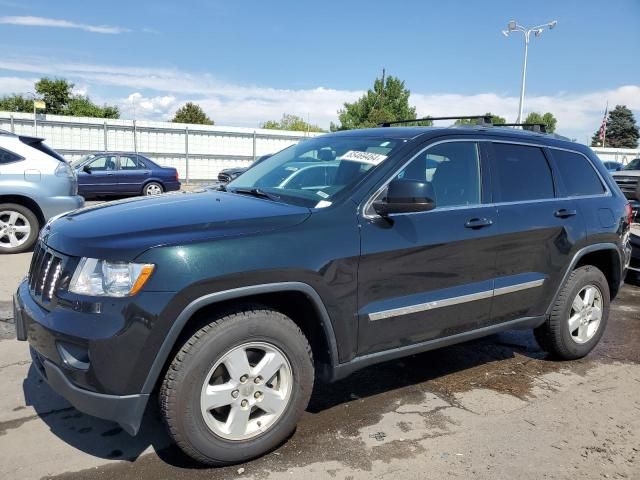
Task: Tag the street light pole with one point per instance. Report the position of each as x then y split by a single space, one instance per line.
513 26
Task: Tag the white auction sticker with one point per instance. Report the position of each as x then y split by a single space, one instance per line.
364 157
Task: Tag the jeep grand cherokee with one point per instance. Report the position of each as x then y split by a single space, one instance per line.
229 304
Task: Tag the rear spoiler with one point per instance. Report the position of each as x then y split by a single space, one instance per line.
38 144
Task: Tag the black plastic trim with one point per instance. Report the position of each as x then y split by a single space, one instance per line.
238 293
346 369
126 410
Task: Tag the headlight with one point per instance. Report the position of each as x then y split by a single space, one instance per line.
109 279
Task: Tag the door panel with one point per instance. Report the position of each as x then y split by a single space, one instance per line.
132 174
428 275
536 232
101 180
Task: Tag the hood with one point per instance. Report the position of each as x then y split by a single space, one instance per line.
124 229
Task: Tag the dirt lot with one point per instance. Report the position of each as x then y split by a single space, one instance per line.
494 408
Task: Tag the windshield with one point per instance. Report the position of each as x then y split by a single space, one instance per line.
314 171
81 160
633 165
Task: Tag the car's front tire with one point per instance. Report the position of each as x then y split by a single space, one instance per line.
237 387
19 228
579 315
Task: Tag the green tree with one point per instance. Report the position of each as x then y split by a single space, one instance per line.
291 122
192 113
56 94
81 106
547 119
622 131
383 103
59 99
495 119
16 103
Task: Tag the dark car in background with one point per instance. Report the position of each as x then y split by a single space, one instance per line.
613 166
229 174
122 174
628 179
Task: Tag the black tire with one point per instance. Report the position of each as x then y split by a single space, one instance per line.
27 217
184 379
152 188
554 335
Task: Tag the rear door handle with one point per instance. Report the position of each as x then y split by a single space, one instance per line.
564 213
477 223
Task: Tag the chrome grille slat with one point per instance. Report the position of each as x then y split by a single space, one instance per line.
47 272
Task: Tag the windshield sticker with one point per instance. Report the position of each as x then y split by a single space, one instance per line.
323 204
364 157
322 194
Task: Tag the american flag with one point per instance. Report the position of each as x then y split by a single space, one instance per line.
603 127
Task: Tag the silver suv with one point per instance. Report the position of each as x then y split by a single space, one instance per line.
36 183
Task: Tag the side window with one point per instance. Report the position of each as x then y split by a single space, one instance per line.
128 163
578 175
522 173
8 157
452 170
103 163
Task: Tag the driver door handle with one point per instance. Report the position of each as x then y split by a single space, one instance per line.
477 223
564 213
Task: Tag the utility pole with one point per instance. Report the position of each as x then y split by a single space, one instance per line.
382 90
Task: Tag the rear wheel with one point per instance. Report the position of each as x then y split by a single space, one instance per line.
153 188
238 386
579 315
19 228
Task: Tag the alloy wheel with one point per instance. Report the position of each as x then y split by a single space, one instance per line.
246 391
586 314
15 229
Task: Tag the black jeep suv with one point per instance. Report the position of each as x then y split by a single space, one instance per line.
229 304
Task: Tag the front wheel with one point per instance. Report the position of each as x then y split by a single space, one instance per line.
19 228
237 387
578 317
153 188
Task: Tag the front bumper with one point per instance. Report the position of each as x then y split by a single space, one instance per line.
97 361
634 264
126 410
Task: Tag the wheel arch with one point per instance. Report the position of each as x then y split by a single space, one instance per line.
147 181
605 256
27 202
270 295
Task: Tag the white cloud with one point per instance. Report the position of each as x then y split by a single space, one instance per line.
137 105
29 21
158 92
11 85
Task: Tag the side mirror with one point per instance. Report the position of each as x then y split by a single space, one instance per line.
86 169
406 196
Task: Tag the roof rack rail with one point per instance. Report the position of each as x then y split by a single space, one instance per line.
484 120
536 127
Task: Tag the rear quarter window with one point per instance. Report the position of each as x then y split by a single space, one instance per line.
578 176
8 157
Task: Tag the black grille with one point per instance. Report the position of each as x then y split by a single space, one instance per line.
628 185
49 271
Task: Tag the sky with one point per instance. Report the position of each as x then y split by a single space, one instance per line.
249 61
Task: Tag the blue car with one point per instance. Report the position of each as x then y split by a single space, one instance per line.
123 174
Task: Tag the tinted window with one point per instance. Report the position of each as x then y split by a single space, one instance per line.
128 163
452 170
578 175
8 157
633 165
522 173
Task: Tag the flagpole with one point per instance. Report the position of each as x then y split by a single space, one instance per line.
604 132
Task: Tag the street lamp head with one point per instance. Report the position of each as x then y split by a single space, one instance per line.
505 33
538 32
512 25
553 24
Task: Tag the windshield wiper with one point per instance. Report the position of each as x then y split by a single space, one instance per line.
256 192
